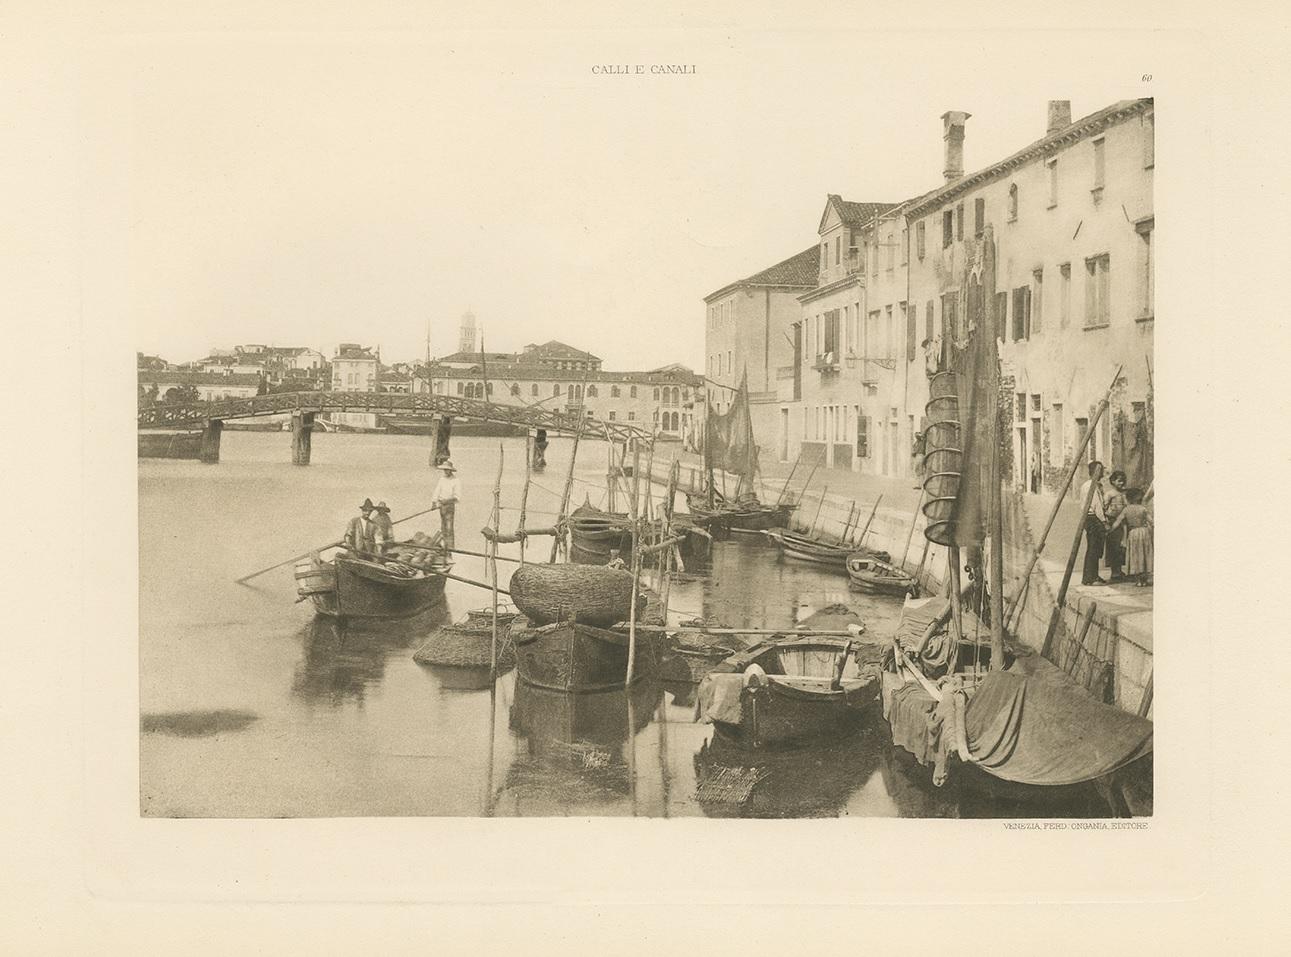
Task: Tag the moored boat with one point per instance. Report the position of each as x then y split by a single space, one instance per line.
787 691
595 534
349 587
878 577
821 552
568 656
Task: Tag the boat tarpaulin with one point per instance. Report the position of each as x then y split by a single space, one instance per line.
1032 724
728 437
719 697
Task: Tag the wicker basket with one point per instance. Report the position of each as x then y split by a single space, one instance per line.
591 594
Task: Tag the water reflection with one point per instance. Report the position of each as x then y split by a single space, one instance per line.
343 659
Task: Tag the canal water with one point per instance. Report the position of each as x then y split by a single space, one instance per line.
252 707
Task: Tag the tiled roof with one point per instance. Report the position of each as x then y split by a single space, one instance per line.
854 214
801 269
475 357
532 372
552 349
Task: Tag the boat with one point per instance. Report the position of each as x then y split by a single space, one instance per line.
961 692
787 691
821 552
747 517
351 587
573 657
878 577
594 535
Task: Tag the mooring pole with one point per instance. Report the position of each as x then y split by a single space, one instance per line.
493 561
636 568
564 498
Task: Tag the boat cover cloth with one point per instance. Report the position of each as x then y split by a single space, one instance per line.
719 697
1030 724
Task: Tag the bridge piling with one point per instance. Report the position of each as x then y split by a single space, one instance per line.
209 452
302 434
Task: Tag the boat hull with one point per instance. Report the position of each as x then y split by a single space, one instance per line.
361 589
780 715
878 577
577 658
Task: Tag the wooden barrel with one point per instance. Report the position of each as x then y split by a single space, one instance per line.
591 594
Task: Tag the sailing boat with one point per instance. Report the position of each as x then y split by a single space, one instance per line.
950 699
729 446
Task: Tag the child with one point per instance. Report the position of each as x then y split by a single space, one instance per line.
1138 539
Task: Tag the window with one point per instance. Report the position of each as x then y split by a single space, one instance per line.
862 436
928 321
892 254
1144 229
824 256
592 392
959 221
919 238
1149 140
838 250
874 256
460 388
889 343
632 392
614 392
846 343
555 389
1097 285
872 332
979 217
1100 168
831 331
905 246
947 228
1021 313
1013 202
515 389
533 389
1064 295
1091 454
910 331
1052 168
656 393
613 414
1001 315
1020 406
632 416
1057 441
1037 298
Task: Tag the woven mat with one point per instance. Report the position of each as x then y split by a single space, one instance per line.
730 785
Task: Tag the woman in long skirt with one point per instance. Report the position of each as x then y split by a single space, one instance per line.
1137 522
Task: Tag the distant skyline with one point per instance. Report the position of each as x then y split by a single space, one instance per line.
293 191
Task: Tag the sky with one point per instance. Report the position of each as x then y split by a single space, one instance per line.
295 189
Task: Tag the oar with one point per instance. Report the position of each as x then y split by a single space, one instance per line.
468 581
246 578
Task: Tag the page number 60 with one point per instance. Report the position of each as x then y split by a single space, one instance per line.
1147 78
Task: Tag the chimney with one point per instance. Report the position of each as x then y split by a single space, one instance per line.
1059 116
954 121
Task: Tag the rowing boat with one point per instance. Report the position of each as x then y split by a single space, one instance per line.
351 587
878 577
819 551
788 691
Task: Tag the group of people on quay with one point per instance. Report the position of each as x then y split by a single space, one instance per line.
1118 530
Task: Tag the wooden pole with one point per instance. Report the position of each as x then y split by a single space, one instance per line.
493 561
873 512
636 567
524 492
819 506
564 498
611 480
810 475
997 553
780 497
956 610
1071 564
674 475
914 519
847 526
1016 604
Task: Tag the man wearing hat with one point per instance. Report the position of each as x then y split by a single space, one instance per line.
447 492
359 533
382 528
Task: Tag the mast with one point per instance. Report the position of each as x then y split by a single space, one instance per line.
992 371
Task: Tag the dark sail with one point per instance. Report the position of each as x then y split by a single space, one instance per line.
728 438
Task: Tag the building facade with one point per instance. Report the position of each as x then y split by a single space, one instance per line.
209 386
1071 219
748 327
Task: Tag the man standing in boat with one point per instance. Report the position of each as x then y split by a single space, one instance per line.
359 533
382 528
447 492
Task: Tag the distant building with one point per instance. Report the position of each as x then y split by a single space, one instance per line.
209 385
354 369
466 334
151 363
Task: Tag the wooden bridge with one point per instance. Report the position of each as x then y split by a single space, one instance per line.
210 416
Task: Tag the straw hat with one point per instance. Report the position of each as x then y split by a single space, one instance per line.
382 507
367 505
447 466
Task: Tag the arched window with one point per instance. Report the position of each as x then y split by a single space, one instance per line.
676 396
632 392
460 388
591 392
534 389
675 422
614 392
555 389
489 388
515 389
578 393
1013 201
656 393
